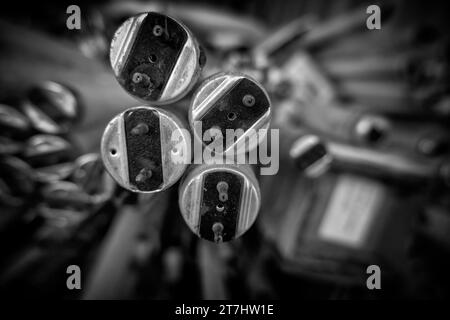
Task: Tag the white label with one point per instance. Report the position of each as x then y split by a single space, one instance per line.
351 211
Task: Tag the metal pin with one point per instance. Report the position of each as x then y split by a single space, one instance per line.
158 30
142 79
222 187
248 100
140 129
143 175
217 228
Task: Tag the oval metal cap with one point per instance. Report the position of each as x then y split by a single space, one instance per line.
219 202
52 107
155 58
310 155
13 121
145 149
231 106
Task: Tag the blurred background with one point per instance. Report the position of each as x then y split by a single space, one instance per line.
377 100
